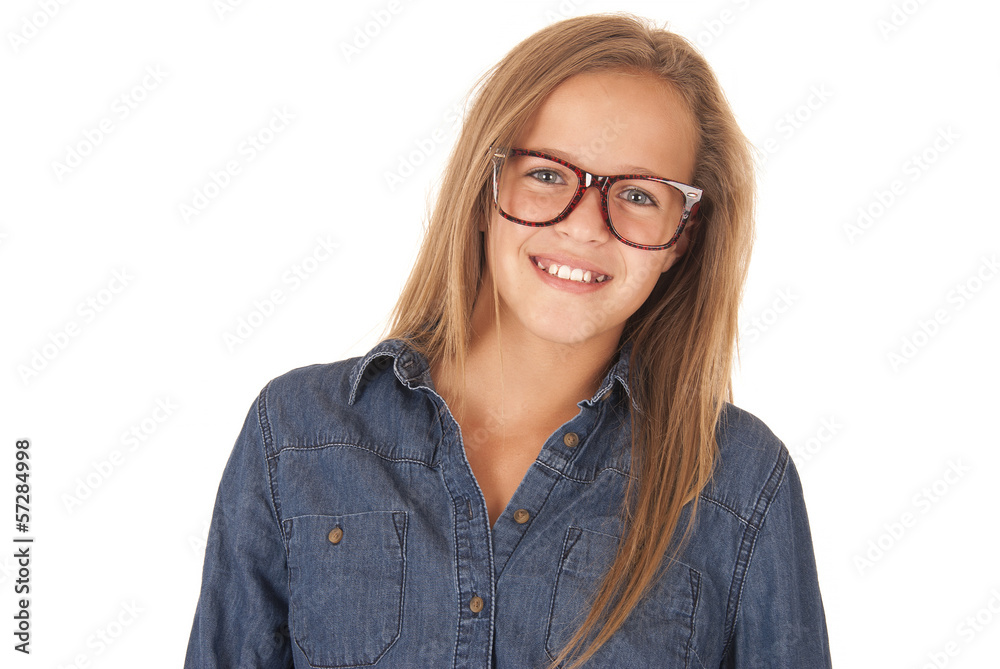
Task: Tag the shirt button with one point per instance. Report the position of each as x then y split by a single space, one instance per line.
336 534
571 439
476 604
521 516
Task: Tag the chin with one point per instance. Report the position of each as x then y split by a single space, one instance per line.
554 329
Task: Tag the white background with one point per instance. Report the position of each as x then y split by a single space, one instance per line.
869 87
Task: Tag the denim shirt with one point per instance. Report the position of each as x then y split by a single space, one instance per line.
349 531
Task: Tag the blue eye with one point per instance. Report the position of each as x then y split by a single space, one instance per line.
546 176
638 197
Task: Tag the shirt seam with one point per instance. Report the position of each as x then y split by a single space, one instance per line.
344 444
579 480
749 543
726 508
387 348
267 439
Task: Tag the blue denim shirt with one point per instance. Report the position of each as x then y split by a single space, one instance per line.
349 531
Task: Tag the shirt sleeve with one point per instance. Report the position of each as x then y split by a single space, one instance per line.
781 623
241 620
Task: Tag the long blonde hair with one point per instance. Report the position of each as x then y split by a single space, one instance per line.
683 336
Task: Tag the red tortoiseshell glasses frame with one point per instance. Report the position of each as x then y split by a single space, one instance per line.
585 179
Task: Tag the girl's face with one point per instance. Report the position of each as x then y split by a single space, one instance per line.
607 123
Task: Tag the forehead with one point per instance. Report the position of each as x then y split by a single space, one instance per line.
608 121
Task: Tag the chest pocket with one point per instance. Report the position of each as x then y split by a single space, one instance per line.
659 631
346 576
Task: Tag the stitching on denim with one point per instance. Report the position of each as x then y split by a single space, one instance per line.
770 490
402 592
342 515
357 375
444 429
454 541
402 586
603 534
520 538
458 562
357 446
601 425
695 579
694 651
725 508
576 480
749 544
567 547
265 424
267 442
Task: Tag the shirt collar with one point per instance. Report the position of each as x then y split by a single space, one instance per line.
407 364
413 370
618 372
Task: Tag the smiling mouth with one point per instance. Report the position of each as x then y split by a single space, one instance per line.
569 273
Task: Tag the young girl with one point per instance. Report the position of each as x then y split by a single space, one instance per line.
539 466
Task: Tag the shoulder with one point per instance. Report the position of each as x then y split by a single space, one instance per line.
293 408
751 468
319 384
335 384
363 401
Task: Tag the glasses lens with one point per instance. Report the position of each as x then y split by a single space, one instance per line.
536 190
644 211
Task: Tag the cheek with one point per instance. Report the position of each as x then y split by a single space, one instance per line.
667 260
646 269
504 241
644 273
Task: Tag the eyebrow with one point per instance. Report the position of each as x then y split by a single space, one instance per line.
626 169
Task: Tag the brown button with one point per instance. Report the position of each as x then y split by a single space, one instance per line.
521 516
571 439
476 604
336 534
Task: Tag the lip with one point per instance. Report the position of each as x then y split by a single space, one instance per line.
566 284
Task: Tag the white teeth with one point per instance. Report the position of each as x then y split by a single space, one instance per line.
572 273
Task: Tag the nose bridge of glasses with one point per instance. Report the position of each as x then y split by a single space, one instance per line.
591 215
590 179
599 184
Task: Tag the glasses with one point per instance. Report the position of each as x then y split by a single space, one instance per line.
538 190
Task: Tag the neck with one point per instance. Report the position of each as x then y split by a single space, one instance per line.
520 377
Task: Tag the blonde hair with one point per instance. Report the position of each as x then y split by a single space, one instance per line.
684 334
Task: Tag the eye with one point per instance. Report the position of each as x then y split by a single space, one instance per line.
546 176
637 196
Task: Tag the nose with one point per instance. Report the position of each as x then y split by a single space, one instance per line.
586 222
